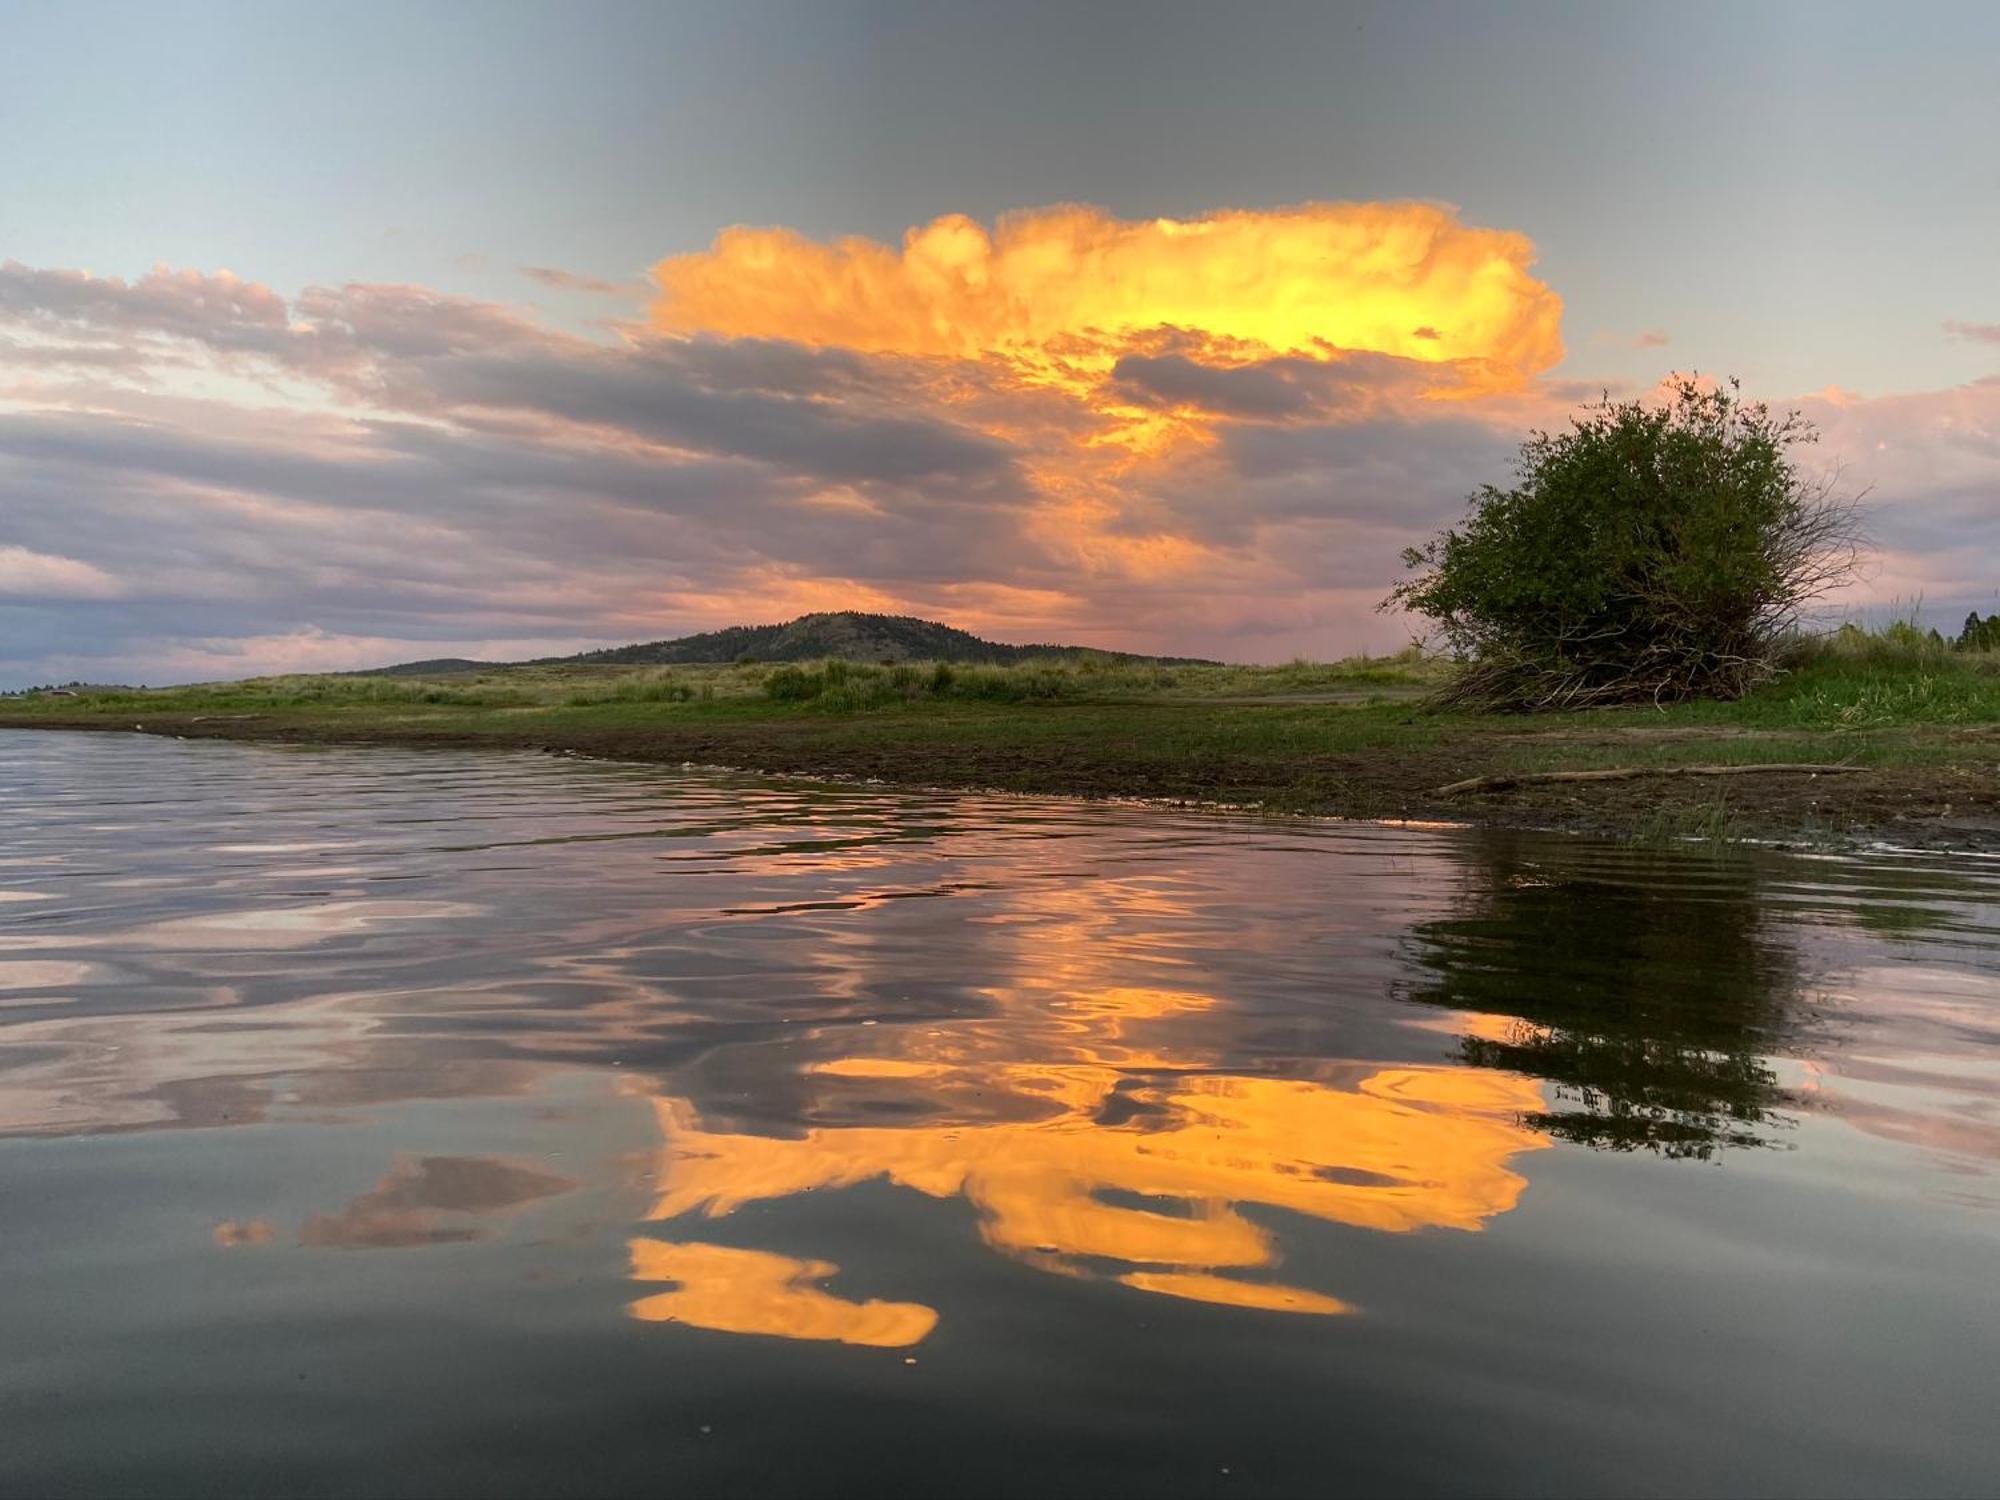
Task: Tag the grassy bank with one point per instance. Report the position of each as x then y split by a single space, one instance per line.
1351 738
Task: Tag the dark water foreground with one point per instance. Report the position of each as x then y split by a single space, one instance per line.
380 1122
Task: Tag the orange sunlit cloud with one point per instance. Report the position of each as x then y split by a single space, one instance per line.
1129 325
1072 286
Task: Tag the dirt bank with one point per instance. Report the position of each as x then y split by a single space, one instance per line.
1949 799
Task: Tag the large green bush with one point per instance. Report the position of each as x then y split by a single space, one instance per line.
1651 552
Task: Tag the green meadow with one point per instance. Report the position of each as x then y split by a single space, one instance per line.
1915 717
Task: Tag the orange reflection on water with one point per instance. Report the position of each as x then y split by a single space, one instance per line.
1106 1157
753 1291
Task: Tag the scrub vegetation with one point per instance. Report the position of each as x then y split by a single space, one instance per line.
1651 553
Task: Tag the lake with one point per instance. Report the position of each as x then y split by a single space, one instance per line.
397 1122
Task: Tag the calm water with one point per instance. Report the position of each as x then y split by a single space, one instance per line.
389 1123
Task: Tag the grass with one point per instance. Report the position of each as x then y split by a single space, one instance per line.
829 687
1863 680
1347 737
847 687
1701 823
1849 681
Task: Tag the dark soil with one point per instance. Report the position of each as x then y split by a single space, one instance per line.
1950 805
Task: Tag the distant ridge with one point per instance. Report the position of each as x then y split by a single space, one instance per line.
846 633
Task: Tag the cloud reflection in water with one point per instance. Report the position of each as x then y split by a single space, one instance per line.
1085 1153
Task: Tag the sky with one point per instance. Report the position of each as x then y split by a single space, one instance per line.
337 335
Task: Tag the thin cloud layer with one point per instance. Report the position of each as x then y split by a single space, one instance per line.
29 575
1211 436
560 280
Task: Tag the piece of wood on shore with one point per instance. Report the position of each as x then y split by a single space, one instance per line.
1507 782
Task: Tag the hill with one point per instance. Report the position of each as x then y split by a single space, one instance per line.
436 666
848 634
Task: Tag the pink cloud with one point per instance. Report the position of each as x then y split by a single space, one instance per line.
40 575
1984 333
571 281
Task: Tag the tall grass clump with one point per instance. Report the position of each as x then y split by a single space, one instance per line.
637 687
837 685
366 691
1651 553
1903 673
841 684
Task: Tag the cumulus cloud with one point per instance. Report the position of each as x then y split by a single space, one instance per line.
1050 286
1288 388
1111 352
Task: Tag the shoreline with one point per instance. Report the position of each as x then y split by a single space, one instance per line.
1930 800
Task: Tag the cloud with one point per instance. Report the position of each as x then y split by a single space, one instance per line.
1107 352
1209 436
39 575
1983 333
1652 338
571 281
1059 293
1281 389
1930 463
402 322
221 310
654 393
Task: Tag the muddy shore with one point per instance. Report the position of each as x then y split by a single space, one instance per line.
1946 802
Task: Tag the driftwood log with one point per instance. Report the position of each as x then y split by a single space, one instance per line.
1633 773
